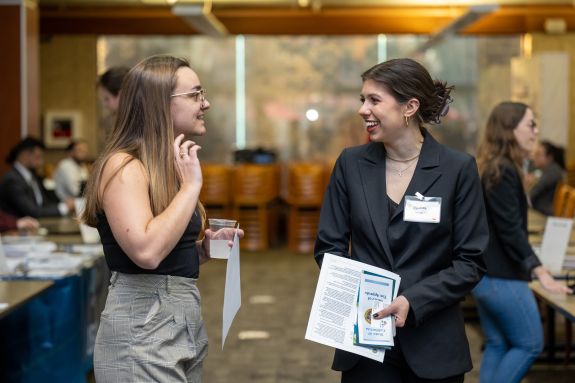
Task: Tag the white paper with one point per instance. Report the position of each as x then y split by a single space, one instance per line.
4 269
555 241
232 291
334 309
29 248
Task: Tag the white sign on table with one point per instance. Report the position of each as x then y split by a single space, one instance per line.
555 241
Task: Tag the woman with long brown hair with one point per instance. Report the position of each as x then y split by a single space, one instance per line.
143 196
507 308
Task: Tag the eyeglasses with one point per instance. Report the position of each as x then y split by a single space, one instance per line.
198 95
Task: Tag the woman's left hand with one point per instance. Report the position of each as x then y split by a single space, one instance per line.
549 283
399 308
553 286
225 233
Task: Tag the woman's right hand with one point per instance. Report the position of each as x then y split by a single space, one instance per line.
187 162
27 224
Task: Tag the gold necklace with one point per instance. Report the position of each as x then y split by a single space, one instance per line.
398 160
400 172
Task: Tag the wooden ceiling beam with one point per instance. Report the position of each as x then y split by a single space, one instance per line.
159 20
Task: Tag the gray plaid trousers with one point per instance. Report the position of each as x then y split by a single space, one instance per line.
151 330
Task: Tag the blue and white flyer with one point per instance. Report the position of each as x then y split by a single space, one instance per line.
375 293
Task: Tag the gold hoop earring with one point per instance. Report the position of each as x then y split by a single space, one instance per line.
406 121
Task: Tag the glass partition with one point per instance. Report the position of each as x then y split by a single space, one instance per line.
302 93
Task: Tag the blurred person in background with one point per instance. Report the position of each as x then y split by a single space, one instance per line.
549 160
72 172
507 309
110 86
21 189
109 90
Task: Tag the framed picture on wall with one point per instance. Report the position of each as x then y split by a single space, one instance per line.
61 127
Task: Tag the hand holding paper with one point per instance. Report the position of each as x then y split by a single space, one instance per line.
375 293
399 308
333 319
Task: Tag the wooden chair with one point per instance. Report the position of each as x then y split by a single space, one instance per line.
216 190
571 173
569 204
305 189
560 199
255 189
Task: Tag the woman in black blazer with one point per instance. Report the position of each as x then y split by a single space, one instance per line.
367 214
507 308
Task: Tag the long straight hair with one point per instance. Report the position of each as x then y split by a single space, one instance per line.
498 144
144 131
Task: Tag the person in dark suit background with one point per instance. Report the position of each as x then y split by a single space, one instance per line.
507 309
362 217
21 190
549 159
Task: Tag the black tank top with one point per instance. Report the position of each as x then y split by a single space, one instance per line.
183 261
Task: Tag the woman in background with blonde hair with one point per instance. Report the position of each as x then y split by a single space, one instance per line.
507 308
143 198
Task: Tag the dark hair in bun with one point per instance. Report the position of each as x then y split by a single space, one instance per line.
405 79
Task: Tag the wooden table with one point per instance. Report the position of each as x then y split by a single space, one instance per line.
564 304
535 222
561 303
16 293
60 225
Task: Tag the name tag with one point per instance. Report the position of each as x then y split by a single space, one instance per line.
422 209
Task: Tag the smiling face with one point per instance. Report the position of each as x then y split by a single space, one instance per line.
188 110
382 114
526 132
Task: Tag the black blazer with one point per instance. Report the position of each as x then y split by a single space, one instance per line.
439 263
17 197
509 254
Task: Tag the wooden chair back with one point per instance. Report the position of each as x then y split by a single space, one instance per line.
216 190
255 184
569 206
306 184
559 199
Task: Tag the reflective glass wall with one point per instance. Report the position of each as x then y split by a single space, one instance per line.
299 96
